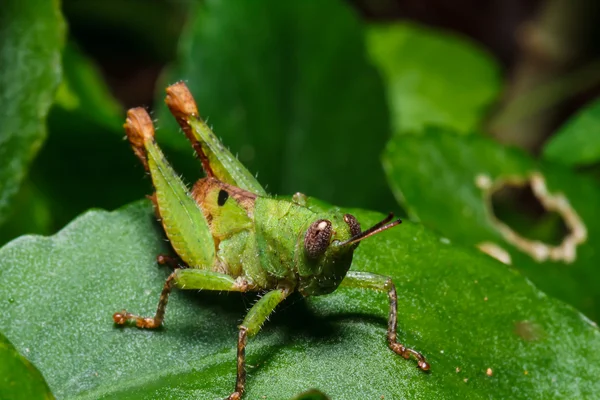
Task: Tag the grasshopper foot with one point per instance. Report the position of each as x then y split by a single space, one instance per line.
423 365
121 318
234 396
405 353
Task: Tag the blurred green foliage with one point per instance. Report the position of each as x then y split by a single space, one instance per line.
577 143
433 78
308 95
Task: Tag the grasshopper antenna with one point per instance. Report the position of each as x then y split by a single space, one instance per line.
375 229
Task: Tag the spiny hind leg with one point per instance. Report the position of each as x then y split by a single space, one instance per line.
188 278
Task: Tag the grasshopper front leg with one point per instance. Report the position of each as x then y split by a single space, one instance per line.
250 327
198 279
357 279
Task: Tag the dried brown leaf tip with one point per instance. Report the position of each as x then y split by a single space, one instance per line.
180 101
139 129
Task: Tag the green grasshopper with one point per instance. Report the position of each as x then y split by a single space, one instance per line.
231 236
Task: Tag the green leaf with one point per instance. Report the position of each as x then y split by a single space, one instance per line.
435 177
19 379
461 309
31 39
577 142
280 82
433 77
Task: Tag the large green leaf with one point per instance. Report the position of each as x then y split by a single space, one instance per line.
19 379
466 312
31 39
435 176
287 85
577 142
433 77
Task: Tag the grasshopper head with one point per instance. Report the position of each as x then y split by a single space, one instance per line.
328 248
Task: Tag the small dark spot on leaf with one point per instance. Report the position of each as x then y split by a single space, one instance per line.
528 330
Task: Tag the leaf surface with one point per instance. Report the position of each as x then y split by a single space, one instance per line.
463 310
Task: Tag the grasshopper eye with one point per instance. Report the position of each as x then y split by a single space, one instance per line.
317 238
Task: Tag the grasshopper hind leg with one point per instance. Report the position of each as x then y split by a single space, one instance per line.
184 278
122 317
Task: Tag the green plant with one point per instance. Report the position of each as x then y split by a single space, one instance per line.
316 102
